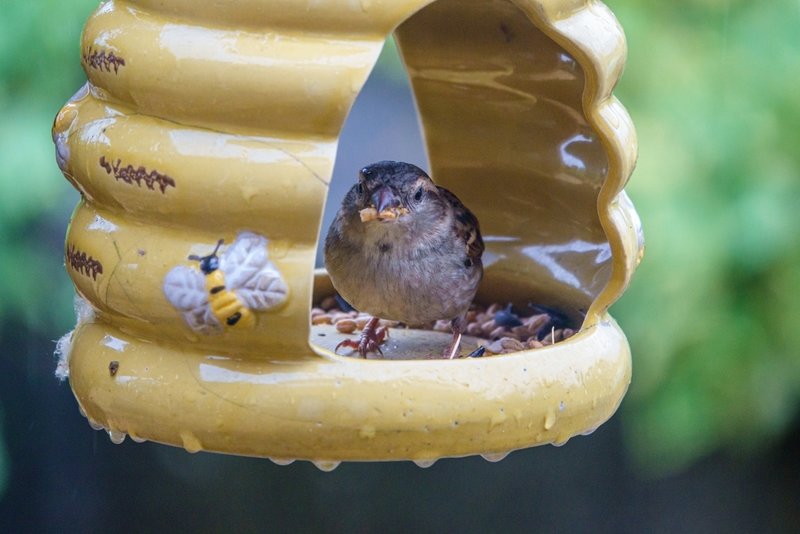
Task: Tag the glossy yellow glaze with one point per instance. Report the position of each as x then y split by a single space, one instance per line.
339 408
203 120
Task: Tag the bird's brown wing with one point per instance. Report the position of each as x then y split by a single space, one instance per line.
466 226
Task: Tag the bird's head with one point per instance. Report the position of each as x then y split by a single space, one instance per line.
393 192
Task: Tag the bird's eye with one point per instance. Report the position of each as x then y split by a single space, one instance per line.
418 195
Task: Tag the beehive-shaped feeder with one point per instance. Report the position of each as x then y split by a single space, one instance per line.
220 120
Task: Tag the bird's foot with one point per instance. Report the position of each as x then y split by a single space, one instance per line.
369 341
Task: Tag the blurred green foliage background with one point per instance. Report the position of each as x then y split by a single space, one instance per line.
39 70
713 312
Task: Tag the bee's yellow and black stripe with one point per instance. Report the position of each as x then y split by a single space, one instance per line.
224 304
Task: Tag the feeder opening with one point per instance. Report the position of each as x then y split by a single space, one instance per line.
501 105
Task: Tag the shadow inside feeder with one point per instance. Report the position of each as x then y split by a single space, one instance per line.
506 131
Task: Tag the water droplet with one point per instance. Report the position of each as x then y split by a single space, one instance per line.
549 419
326 465
589 432
137 439
190 442
116 436
95 425
560 442
494 456
424 463
282 461
81 410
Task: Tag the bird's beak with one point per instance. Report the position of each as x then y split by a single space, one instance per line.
386 206
384 198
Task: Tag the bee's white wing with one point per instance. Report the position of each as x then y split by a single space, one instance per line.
264 291
250 274
185 289
202 320
243 259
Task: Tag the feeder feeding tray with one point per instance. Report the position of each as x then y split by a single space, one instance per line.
203 145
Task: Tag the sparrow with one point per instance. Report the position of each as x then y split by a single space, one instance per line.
404 249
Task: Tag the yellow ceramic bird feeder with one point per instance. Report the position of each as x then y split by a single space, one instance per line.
203 146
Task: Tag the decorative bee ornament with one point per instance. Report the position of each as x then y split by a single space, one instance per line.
228 288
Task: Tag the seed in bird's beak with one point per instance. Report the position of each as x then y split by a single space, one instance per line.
368 214
371 214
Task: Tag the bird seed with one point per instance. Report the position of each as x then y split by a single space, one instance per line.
499 329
